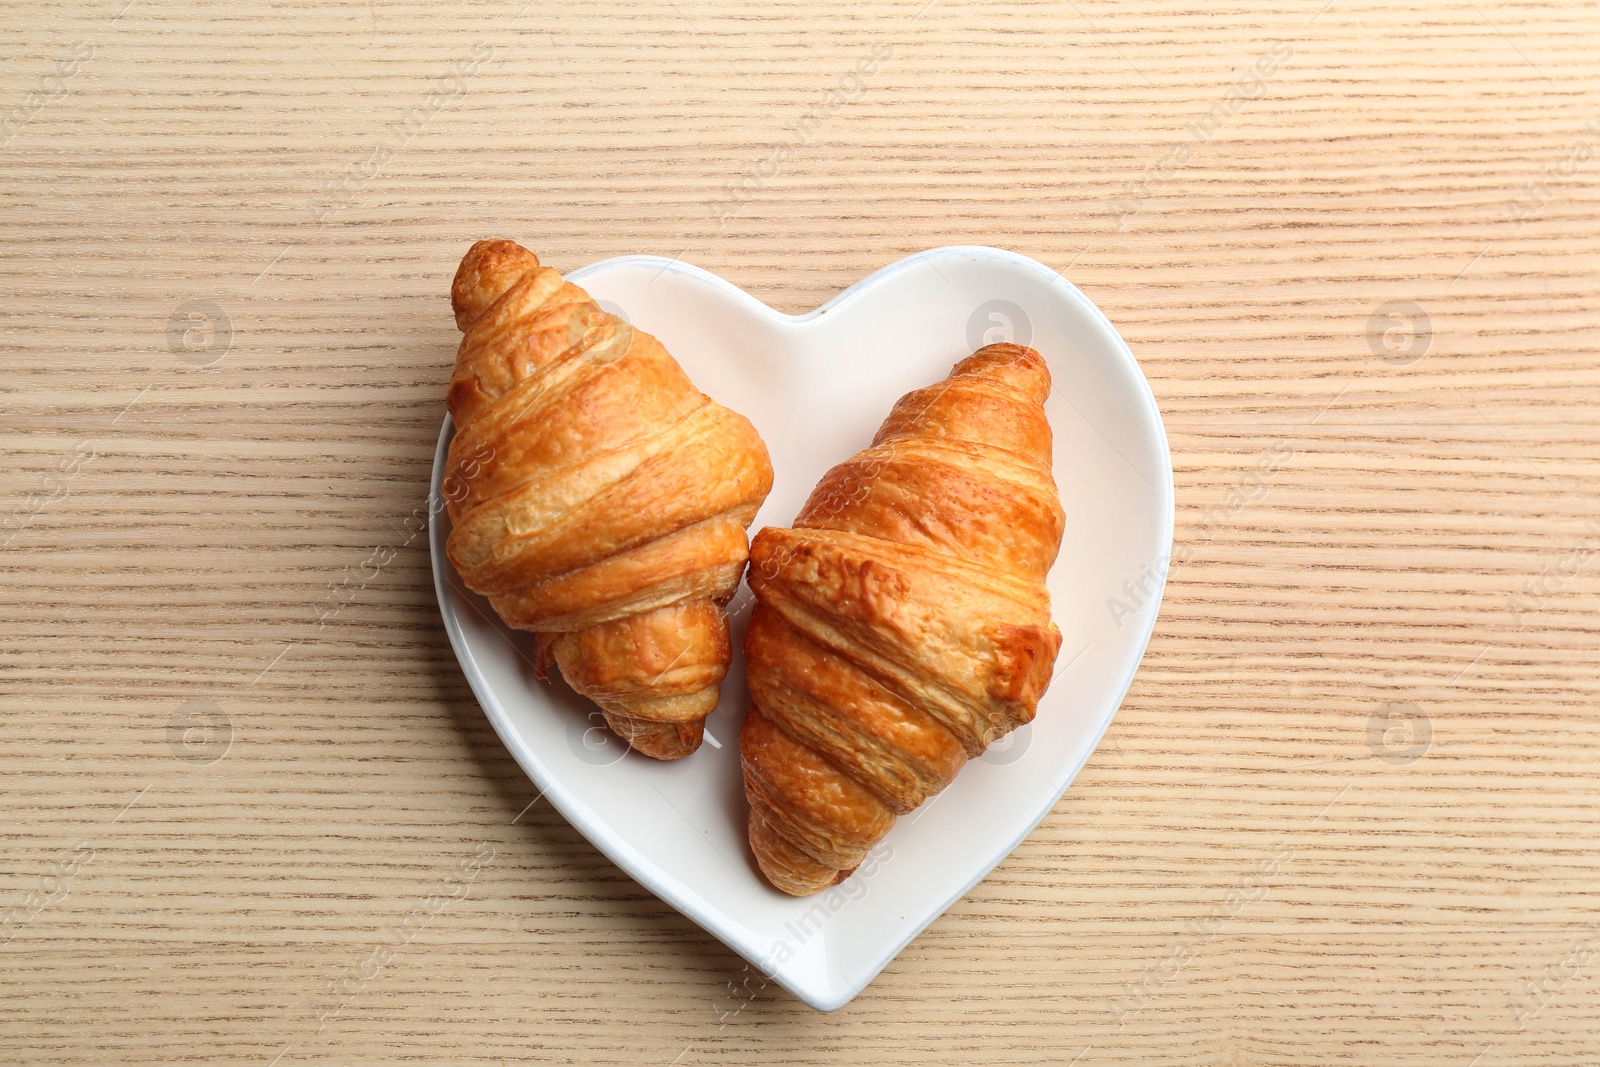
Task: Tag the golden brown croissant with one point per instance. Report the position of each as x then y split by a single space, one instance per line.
596 497
903 623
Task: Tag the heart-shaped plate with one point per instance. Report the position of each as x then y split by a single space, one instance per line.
816 386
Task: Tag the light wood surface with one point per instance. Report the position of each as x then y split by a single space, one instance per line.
1359 537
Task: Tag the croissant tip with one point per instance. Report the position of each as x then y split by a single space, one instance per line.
658 740
489 268
1017 365
543 655
1009 351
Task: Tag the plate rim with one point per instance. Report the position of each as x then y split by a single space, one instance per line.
616 848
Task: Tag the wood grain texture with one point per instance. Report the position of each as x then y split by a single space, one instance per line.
1357 537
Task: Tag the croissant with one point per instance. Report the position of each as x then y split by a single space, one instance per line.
597 499
903 623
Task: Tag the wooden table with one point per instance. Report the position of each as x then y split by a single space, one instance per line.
1347 813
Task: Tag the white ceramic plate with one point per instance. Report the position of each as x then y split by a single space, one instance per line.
816 386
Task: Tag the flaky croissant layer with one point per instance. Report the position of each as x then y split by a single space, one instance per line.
596 497
903 623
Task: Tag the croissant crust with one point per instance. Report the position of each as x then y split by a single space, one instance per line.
902 624
596 497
